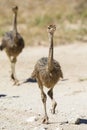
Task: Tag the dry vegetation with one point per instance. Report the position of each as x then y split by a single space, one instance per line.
70 16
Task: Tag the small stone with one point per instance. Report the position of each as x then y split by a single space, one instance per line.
2 128
77 122
74 120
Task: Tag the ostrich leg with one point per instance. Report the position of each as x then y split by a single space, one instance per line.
54 104
44 98
13 75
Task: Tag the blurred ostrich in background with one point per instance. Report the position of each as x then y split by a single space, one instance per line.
13 44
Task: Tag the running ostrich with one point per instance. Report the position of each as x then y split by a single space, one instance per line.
47 72
13 44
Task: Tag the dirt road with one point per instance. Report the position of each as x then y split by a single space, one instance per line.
19 103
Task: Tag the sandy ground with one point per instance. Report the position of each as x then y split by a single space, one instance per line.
19 103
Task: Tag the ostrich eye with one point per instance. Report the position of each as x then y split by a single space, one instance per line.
16 7
48 27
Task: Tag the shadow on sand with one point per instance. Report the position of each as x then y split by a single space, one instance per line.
2 95
30 80
82 121
5 96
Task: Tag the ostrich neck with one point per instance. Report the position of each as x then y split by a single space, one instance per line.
50 57
15 23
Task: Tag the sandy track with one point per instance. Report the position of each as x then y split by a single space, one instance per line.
17 104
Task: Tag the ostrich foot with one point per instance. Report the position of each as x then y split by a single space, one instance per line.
16 82
45 120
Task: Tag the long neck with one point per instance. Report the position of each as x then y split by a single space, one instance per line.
15 23
50 57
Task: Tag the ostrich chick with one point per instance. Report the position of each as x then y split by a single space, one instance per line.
13 43
47 72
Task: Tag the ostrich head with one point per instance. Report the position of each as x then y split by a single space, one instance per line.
51 29
15 9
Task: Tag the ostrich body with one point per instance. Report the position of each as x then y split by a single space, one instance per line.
47 72
13 43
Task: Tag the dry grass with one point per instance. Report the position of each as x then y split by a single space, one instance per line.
34 17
